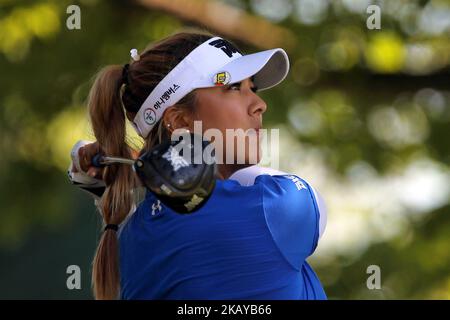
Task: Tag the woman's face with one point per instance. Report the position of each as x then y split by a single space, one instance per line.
234 106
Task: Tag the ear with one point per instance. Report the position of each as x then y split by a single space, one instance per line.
177 117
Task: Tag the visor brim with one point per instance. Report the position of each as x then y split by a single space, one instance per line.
268 67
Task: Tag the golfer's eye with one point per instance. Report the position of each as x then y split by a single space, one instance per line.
235 86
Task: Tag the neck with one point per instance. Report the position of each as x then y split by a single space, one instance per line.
226 170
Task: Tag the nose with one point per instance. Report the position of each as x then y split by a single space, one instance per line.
257 105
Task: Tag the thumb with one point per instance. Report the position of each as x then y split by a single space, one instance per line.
95 172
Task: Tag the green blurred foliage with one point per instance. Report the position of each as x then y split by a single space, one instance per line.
377 96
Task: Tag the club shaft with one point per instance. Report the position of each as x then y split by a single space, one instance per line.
114 160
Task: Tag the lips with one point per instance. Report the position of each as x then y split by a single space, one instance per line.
257 131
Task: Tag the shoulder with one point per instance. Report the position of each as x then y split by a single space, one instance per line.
247 176
274 182
278 182
293 209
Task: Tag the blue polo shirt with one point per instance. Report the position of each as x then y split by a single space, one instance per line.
246 242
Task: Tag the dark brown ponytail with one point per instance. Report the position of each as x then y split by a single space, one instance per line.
108 117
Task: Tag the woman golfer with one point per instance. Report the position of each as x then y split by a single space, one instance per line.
252 237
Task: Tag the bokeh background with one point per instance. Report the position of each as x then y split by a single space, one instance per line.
364 116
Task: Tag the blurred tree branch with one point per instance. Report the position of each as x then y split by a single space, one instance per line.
228 21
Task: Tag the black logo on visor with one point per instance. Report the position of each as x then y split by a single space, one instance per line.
226 47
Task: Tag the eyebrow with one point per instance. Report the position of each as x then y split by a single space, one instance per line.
252 86
252 82
252 78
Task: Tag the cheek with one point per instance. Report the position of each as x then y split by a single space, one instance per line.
222 113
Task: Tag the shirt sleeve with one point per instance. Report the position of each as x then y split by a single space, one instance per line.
292 216
323 211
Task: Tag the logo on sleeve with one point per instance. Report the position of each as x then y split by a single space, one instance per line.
298 183
156 207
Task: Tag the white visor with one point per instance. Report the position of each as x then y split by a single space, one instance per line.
215 62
